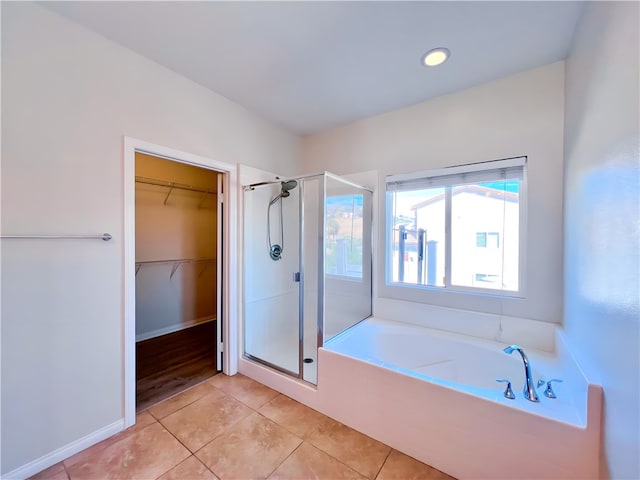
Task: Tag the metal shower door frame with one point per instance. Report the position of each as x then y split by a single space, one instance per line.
322 214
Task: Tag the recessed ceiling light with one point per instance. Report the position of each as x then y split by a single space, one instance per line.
435 57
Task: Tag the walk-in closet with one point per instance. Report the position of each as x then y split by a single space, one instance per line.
177 271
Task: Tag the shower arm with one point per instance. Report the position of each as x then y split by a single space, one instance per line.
251 186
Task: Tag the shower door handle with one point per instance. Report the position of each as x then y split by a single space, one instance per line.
296 276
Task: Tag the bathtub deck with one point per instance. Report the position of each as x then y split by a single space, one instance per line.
462 431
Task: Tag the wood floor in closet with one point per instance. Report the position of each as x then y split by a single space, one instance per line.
171 363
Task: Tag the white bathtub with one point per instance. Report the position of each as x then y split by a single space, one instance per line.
433 395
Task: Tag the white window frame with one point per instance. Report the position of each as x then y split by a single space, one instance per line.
442 177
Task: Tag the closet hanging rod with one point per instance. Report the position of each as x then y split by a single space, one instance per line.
180 186
105 236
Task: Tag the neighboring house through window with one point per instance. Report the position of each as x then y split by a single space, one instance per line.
457 228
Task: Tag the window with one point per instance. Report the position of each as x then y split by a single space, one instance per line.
457 228
481 239
493 239
344 229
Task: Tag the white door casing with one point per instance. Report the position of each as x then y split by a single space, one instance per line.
227 290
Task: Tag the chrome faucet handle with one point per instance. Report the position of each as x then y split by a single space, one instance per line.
540 383
508 393
549 393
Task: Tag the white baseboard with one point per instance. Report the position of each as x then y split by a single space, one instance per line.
64 452
172 328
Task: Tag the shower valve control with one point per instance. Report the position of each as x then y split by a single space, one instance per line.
296 276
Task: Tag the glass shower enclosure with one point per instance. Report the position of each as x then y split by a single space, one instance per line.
307 268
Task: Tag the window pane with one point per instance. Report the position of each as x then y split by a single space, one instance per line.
417 237
493 239
344 236
481 239
485 235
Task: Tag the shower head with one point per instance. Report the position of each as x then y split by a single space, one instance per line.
285 190
287 187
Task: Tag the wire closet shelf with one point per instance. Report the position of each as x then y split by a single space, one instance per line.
174 186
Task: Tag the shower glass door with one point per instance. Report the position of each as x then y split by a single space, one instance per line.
272 273
347 255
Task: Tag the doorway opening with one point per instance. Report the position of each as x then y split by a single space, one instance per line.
187 271
176 276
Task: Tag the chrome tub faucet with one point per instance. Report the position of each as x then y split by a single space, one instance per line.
529 388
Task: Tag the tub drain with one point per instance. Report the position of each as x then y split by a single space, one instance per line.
308 360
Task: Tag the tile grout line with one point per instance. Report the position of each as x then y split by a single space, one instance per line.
191 454
255 410
180 463
320 450
148 409
285 459
383 463
246 404
170 433
303 439
183 444
124 436
226 394
337 460
310 434
345 464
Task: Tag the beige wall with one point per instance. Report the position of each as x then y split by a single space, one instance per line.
172 295
68 98
519 115
602 210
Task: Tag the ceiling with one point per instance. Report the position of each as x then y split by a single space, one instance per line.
310 66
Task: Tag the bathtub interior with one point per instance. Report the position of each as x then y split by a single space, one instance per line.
468 364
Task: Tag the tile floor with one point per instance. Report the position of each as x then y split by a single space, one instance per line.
236 428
